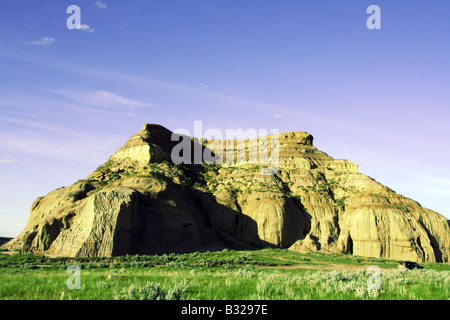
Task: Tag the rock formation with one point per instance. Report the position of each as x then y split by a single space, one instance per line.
141 202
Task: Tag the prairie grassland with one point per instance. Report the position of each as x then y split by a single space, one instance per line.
270 274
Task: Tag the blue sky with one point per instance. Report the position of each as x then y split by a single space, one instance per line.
70 98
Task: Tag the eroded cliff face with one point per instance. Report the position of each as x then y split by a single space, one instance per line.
139 202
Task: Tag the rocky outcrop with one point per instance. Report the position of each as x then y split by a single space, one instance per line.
140 202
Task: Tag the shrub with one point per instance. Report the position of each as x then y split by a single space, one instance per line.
103 265
87 266
268 287
197 185
175 264
152 291
246 273
400 207
340 202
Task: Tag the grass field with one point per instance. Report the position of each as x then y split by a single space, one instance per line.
268 274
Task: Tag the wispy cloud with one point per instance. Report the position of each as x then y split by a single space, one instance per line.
147 82
84 150
40 125
100 5
181 89
439 192
44 41
431 184
6 161
100 98
202 85
86 28
46 112
278 116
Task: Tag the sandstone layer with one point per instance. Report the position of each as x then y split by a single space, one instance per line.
140 202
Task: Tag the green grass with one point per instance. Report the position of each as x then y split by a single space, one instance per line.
400 207
267 274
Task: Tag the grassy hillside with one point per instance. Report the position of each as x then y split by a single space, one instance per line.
233 275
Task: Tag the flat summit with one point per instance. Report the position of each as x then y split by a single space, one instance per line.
141 202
